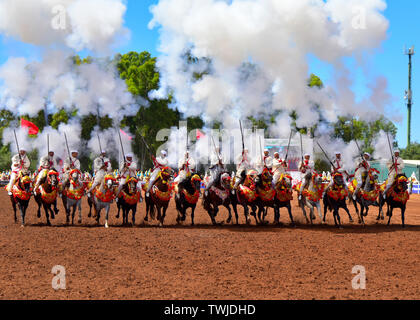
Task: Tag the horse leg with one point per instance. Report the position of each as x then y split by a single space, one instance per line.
38 214
302 206
402 215
47 215
277 214
289 209
336 213
14 208
229 219
133 214
357 210
235 209
119 208
68 208
318 210
22 214
107 207
56 211
73 213
246 213
325 209
163 214
390 215
348 212
192 214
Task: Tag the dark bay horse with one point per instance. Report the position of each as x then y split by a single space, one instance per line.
187 194
335 199
247 195
21 195
128 199
46 195
220 195
367 195
160 195
284 196
266 195
397 197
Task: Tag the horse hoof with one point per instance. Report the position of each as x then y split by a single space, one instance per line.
117 216
48 223
160 224
22 226
38 215
106 225
228 220
79 221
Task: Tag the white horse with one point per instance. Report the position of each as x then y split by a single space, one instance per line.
103 197
311 197
72 195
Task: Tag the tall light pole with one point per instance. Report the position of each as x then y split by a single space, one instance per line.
409 94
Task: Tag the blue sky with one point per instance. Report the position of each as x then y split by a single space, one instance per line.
389 61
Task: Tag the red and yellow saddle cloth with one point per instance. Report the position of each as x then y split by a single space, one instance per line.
162 195
21 194
249 193
130 199
106 196
48 197
75 193
222 194
266 194
402 197
191 198
314 195
338 193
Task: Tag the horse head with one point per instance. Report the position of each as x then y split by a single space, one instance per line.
338 179
109 181
401 183
75 175
251 177
52 178
132 185
316 178
285 182
25 182
371 179
196 181
165 175
226 181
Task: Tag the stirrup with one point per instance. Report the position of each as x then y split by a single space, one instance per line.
10 193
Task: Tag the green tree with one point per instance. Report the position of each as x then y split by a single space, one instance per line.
412 152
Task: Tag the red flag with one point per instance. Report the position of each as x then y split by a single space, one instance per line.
33 129
199 134
126 134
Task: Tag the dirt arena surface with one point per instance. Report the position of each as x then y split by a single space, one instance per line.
209 262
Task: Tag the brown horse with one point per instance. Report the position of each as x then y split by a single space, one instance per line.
266 195
367 195
397 197
284 196
220 195
160 195
46 195
21 194
129 197
187 194
335 198
247 195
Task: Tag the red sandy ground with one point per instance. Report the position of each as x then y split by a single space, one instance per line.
209 262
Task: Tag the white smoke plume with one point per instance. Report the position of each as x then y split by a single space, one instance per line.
259 56
383 149
57 83
95 25
110 143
